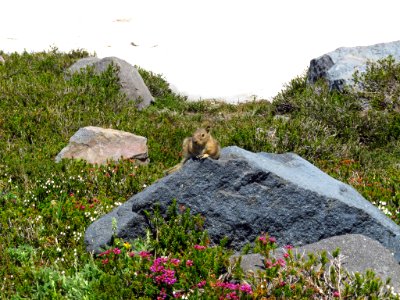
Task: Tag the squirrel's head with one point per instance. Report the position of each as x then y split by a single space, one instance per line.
201 136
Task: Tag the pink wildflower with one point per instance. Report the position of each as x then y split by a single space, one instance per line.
145 254
177 295
189 263
201 284
105 252
167 276
288 247
131 254
158 264
199 247
105 261
162 295
262 239
162 260
227 285
116 251
281 262
246 288
272 240
163 275
268 264
232 296
336 294
231 286
156 268
175 261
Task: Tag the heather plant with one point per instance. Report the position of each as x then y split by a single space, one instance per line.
46 206
290 275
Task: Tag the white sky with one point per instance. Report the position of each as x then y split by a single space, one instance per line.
207 49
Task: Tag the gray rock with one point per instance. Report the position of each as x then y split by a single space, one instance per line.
244 194
360 254
338 66
132 84
98 145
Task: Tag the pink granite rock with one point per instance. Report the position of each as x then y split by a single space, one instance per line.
97 145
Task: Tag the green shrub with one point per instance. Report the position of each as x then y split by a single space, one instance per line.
379 86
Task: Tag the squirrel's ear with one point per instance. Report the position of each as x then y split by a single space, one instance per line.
206 125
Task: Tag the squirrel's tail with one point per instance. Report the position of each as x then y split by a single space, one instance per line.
173 169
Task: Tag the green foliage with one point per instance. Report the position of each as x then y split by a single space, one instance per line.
175 231
380 86
124 271
161 91
46 206
22 255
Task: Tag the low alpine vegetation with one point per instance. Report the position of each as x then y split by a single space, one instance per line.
46 206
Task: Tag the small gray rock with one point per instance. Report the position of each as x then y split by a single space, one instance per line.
131 82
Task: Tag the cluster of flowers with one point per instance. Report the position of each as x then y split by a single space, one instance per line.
164 272
199 247
115 251
231 289
161 272
264 241
280 261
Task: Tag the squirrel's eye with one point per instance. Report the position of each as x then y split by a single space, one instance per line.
202 135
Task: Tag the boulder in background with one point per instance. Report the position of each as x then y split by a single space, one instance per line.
338 67
132 84
97 145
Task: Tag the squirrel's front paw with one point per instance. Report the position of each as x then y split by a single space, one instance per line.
202 156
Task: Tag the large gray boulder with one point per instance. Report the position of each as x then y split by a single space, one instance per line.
132 84
244 194
99 145
338 66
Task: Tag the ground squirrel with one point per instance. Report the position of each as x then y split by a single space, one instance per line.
201 145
